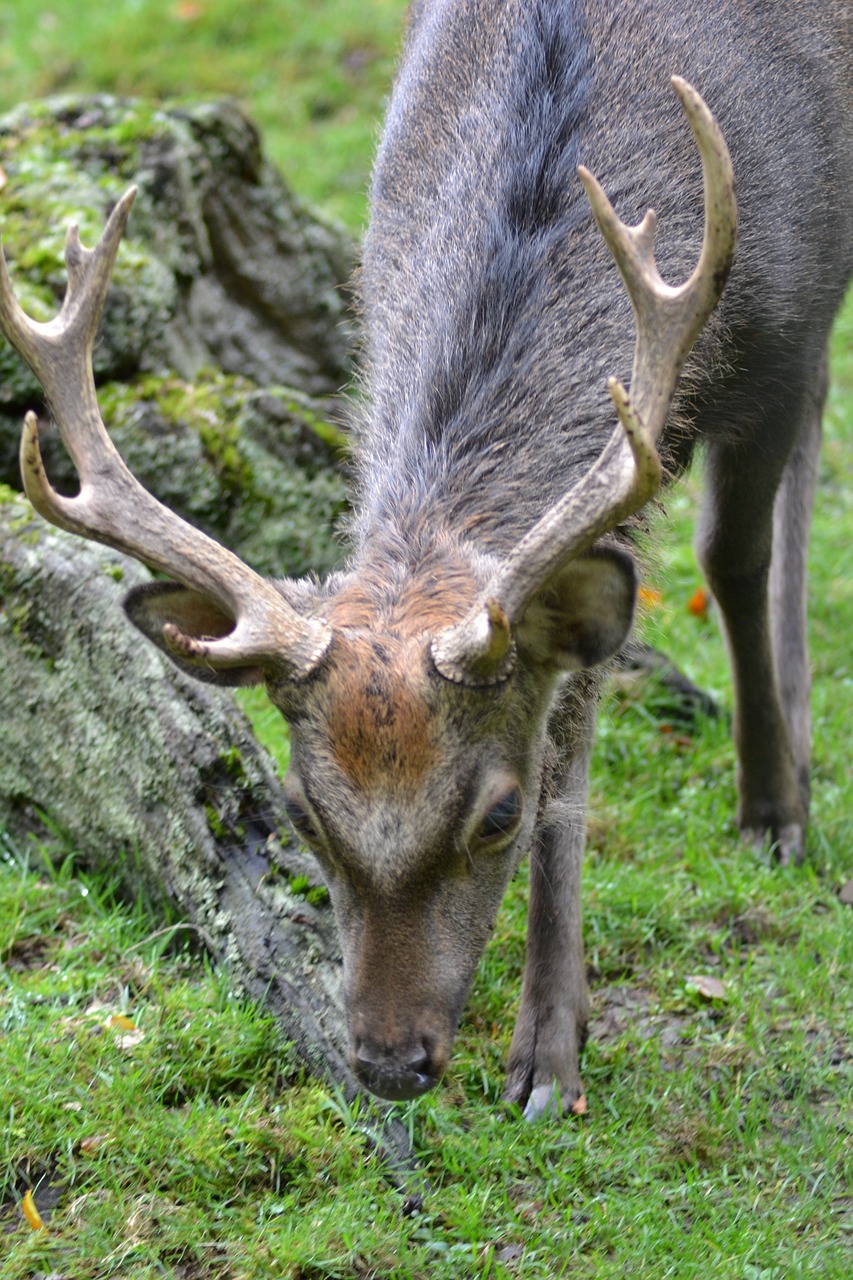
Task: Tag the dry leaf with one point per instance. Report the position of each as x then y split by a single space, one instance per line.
649 597
709 988
578 1108
3 177
31 1213
91 1146
130 1040
132 1035
120 1020
845 894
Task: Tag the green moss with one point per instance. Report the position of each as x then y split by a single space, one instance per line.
249 466
214 822
332 437
302 887
232 762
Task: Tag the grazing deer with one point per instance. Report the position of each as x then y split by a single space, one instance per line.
441 690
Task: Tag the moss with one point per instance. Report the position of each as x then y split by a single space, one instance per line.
246 465
232 763
332 436
302 887
215 823
256 467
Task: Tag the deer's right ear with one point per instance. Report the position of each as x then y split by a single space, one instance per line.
583 613
152 606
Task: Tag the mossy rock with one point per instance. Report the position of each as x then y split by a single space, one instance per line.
221 264
254 467
224 334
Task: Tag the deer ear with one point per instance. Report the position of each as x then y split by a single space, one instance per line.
151 606
582 615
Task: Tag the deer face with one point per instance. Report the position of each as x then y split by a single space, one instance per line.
418 798
419 792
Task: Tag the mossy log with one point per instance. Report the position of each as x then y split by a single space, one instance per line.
222 264
107 749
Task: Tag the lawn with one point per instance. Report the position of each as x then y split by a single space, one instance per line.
161 1123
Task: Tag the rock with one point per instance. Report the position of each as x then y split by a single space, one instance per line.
224 332
222 264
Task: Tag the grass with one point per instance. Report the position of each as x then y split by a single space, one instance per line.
313 75
158 1117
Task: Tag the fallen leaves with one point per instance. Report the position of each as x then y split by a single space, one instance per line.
649 597
132 1035
31 1213
708 988
93 1144
101 1016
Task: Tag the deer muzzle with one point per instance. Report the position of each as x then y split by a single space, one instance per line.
397 1074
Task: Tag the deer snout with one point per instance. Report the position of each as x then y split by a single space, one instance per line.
396 1073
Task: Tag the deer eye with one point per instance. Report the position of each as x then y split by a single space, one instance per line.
301 821
502 818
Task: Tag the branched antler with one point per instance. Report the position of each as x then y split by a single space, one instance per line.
628 472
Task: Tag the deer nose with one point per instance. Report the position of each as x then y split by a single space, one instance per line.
396 1076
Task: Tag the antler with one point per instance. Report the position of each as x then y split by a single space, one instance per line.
113 507
628 471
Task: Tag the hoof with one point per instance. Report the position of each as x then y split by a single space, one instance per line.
546 1101
787 845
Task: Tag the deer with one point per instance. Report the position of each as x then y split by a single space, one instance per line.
518 411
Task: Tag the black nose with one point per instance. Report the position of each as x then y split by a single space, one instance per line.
396 1076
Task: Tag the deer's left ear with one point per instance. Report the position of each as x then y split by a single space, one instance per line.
582 615
152 605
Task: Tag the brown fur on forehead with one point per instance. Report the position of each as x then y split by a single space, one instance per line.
417 606
381 732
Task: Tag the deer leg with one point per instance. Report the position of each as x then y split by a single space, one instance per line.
788 583
738 537
543 1071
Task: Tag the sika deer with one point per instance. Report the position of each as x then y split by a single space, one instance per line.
441 690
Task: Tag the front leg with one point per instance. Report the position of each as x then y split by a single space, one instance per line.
543 1071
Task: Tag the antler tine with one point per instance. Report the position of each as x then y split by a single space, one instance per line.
669 318
628 471
112 506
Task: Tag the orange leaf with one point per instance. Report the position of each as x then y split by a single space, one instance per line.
698 603
90 1146
31 1213
649 597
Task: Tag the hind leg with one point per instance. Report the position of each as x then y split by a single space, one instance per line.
757 510
788 584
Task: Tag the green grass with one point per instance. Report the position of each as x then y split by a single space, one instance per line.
719 1137
314 75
